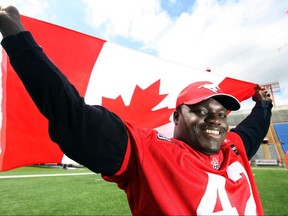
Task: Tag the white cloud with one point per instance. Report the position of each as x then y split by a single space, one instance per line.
238 39
135 20
32 8
215 32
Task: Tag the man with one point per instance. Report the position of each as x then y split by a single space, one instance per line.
203 169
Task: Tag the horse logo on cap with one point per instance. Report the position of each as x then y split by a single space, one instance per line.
212 87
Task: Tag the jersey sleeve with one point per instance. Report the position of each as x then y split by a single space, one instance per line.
91 135
135 152
254 127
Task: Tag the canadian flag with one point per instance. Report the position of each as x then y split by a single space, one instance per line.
135 85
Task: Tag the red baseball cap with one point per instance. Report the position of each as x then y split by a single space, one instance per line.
200 91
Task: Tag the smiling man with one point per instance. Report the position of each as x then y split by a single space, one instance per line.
201 116
202 170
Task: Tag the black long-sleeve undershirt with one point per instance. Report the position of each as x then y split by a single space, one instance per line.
90 135
254 127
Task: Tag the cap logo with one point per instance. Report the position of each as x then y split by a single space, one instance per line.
212 87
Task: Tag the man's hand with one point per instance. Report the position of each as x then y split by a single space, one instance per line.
10 23
261 94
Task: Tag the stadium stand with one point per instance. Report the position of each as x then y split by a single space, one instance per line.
282 133
273 152
259 154
285 147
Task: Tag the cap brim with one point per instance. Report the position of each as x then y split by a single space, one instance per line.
228 101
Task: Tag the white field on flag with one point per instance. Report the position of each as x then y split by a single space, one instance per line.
119 69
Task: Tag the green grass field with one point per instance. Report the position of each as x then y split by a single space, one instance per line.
273 189
88 194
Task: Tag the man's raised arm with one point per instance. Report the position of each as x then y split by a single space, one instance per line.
90 135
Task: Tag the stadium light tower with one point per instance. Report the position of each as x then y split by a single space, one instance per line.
272 87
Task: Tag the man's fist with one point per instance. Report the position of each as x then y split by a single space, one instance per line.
10 23
261 93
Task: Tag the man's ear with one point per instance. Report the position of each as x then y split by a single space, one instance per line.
176 117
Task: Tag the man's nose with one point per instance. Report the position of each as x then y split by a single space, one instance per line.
213 119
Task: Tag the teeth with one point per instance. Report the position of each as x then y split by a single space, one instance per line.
212 132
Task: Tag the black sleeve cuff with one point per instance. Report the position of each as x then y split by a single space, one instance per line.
265 104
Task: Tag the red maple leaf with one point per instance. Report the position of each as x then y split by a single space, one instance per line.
140 108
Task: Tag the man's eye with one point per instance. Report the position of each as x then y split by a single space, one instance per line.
200 111
203 112
222 115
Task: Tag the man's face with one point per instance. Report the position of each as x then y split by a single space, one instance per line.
203 126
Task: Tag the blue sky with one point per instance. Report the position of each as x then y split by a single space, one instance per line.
245 39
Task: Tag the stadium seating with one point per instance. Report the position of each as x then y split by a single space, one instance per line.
282 133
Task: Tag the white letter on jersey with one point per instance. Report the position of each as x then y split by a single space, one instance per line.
234 171
216 185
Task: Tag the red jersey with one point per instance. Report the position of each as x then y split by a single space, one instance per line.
164 176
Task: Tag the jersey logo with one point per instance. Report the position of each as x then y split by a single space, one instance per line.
162 137
227 140
215 164
212 87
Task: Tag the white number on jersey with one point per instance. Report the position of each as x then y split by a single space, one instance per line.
216 187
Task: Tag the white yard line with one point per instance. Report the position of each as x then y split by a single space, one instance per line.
87 173
45 175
